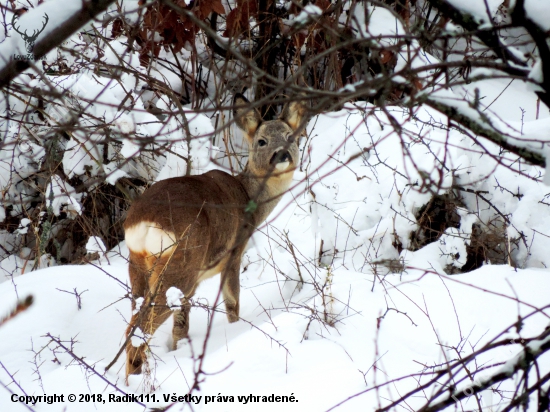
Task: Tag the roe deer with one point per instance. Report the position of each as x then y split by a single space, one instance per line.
186 229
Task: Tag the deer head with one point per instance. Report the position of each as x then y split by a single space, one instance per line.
29 39
273 149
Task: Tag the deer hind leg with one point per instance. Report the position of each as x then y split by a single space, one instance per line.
138 280
148 320
144 278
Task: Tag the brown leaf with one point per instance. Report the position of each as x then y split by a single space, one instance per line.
386 56
233 23
418 84
323 4
237 20
217 6
299 40
205 7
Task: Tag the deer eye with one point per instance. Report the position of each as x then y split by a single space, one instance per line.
262 142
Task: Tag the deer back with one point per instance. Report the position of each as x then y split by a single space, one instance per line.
200 214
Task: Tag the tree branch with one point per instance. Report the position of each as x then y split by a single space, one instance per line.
492 135
531 352
538 35
468 22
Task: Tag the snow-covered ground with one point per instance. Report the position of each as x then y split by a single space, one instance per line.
280 352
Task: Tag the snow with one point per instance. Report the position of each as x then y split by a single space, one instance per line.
114 174
174 297
481 10
272 357
63 197
309 12
95 244
23 226
125 124
294 340
58 11
197 150
344 309
538 10
536 72
536 346
137 338
139 302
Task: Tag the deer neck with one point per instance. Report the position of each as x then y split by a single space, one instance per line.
266 192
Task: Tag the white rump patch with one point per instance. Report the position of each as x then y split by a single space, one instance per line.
174 297
282 166
148 237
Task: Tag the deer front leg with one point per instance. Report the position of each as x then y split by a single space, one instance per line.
181 323
231 286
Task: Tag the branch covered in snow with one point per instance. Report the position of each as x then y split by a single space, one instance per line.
483 27
540 37
522 362
481 128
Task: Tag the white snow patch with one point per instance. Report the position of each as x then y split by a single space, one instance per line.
310 12
139 302
174 297
137 338
24 225
95 244
125 124
62 197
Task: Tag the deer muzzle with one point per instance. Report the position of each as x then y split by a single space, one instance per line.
281 159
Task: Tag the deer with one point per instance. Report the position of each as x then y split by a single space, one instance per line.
184 230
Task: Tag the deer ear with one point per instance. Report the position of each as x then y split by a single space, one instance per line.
294 114
247 119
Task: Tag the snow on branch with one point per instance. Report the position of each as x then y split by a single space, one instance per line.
476 24
489 35
521 362
520 17
484 129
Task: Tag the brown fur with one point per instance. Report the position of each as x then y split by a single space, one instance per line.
186 229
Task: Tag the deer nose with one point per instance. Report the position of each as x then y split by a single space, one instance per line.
280 157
